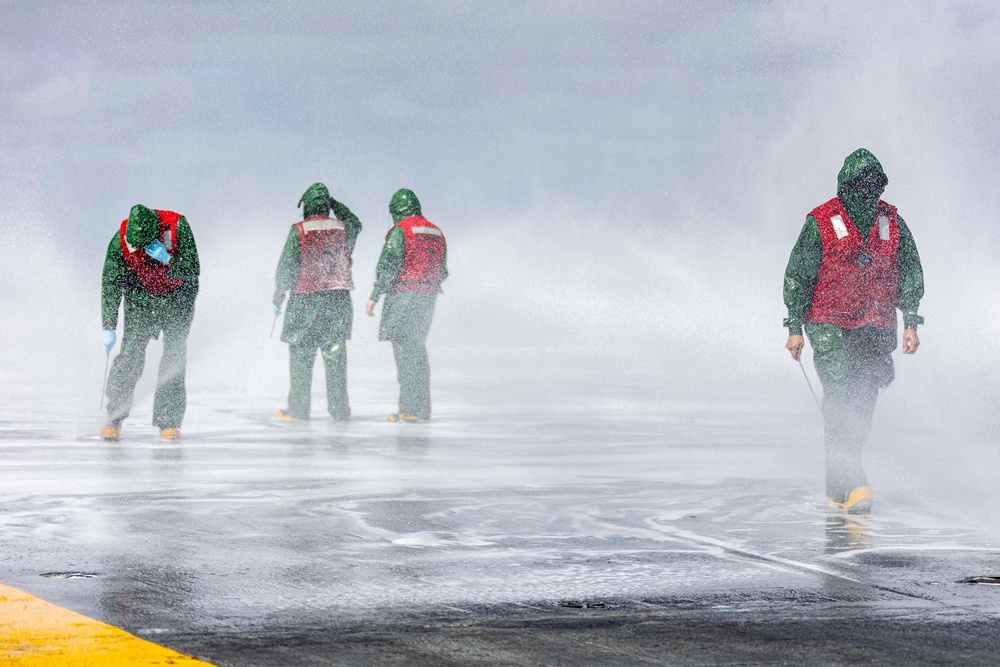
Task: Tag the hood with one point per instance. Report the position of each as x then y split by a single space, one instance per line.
143 226
860 162
860 185
315 200
404 204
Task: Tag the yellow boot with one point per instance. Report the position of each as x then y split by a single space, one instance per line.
110 433
170 433
412 419
859 501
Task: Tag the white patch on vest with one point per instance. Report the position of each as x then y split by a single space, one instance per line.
839 228
883 227
168 242
321 225
426 230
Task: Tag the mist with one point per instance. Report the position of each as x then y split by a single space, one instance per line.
620 187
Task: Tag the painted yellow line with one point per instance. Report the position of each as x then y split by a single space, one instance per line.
36 633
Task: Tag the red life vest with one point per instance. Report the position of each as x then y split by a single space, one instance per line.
326 264
425 248
856 286
151 274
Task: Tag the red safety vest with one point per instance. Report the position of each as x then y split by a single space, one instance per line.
326 264
151 274
425 248
856 286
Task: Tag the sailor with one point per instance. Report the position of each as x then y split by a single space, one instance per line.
315 266
410 271
152 265
854 264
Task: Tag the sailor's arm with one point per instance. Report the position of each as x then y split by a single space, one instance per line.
289 267
800 278
911 278
911 287
390 262
112 283
352 224
185 264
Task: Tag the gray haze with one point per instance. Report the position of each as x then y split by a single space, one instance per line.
620 184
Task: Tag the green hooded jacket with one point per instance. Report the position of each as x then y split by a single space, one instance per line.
404 204
860 184
390 263
144 311
303 309
405 315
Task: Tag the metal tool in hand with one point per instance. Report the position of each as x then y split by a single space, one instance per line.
273 324
808 382
107 362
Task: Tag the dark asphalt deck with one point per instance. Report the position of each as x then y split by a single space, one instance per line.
691 534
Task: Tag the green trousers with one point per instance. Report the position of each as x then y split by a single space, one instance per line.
406 322
170 401
318 322
852 364
302 356
414 372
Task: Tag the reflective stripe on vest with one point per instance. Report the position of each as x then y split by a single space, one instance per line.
325 262
857 284
422 258
151 274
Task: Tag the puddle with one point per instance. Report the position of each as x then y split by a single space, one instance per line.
575 604
993 580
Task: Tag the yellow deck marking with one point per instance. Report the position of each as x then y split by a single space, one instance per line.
36 633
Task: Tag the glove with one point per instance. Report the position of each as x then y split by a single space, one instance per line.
108 339
276 308
158 251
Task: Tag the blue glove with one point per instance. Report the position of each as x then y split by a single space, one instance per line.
276 308
108 339
158 251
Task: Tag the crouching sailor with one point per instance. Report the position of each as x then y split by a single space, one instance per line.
315 266
151 265
855 263
410 271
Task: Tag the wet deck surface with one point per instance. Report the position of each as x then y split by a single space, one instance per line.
687 534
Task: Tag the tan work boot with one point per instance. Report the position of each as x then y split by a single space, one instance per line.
170 433
859 501
110 433
411 419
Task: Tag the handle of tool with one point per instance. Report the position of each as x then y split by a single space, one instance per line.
808 382
273 324
107 363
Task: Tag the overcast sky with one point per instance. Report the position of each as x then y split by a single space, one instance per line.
634 111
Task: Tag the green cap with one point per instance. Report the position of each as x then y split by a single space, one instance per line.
315 200
404 204
143 226
861 163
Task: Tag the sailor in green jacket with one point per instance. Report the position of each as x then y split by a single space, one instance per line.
315 266
151 264
410 271
854 264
